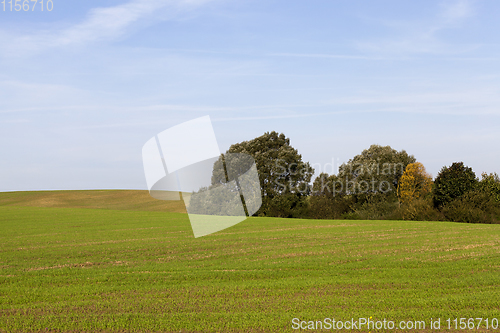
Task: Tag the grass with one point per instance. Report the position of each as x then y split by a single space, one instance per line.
102 199
110 270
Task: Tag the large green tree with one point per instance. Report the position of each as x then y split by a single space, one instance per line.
374 172
368 178
453 182
282 173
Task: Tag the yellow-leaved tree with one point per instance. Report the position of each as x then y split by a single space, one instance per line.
414 183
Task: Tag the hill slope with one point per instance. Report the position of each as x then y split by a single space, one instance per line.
100 199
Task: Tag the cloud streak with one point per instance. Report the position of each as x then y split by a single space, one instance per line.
100 24
422 37
456 11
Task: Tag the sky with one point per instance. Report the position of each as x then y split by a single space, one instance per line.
85 85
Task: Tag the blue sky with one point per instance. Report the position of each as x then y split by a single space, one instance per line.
84 86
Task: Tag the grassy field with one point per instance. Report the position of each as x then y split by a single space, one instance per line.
108 269
102 199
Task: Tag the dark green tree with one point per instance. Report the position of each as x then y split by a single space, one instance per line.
282 173
490 184
453 182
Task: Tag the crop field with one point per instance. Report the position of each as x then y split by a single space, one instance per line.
72 263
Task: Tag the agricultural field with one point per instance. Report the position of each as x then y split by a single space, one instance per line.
119 261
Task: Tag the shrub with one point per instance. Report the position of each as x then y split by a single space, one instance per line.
421 209
490 184
327 200
324 206
287 205
474 207
377 209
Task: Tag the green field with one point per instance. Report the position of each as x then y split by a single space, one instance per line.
106 268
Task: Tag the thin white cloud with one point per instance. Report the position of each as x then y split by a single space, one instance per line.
377 57
417 37
481 100
22 96
456 11
104 23
332 56
113 22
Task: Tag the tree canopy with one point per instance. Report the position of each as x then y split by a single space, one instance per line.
379 183
453 182
282 173
376 170
414 183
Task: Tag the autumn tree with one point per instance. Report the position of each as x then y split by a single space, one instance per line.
414 183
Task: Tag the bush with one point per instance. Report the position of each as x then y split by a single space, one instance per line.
327 200
325 206
490 184
376 211
421 209
322 207
377 208
474 207
350 216
287 205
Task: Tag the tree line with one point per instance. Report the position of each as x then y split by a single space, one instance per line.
378 183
